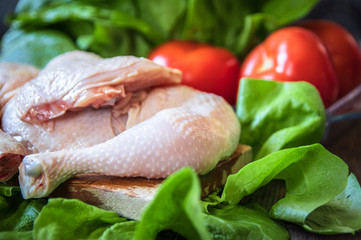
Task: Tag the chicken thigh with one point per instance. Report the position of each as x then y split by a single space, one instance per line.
79 79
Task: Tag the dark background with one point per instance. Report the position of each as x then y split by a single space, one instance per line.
345 12
6 6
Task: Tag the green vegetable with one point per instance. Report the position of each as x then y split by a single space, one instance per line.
315 180
342 214
276 115
34 48
177 207
15 213
243 222
67 219
120 27
16 235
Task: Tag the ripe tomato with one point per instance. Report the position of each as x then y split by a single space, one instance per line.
293 54
343 49
205 67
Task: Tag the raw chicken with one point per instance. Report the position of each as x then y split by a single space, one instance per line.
123 116
11 154
183 127
12 76
79 79
71 131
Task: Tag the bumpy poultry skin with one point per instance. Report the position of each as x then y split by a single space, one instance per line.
80 79
71 131
12 77
189 128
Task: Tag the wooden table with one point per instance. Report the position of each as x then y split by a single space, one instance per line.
344 140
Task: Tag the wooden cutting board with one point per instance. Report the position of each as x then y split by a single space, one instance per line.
128 196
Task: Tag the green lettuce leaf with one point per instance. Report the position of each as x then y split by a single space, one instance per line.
243 222
314 178
73 219
35 48
15 213
317 184
342 214
125 27
276 115
28 235
176 207
162 15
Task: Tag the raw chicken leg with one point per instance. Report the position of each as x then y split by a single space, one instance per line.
199 130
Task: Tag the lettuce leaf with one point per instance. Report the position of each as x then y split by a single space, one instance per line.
243 222
320 195
125 27
314 177
177 207
28 235
341 214
24 47
15 213
276 115
67 219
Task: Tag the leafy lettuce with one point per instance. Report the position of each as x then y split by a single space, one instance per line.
17 214
276 115
134 27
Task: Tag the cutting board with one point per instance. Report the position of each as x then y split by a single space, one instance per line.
128 196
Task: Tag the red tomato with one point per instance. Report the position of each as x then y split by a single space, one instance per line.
205 67
343 50
293 54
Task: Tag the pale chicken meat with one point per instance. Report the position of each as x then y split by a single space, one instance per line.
82 80
186 127
71 131
12 77
79 79
11 154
